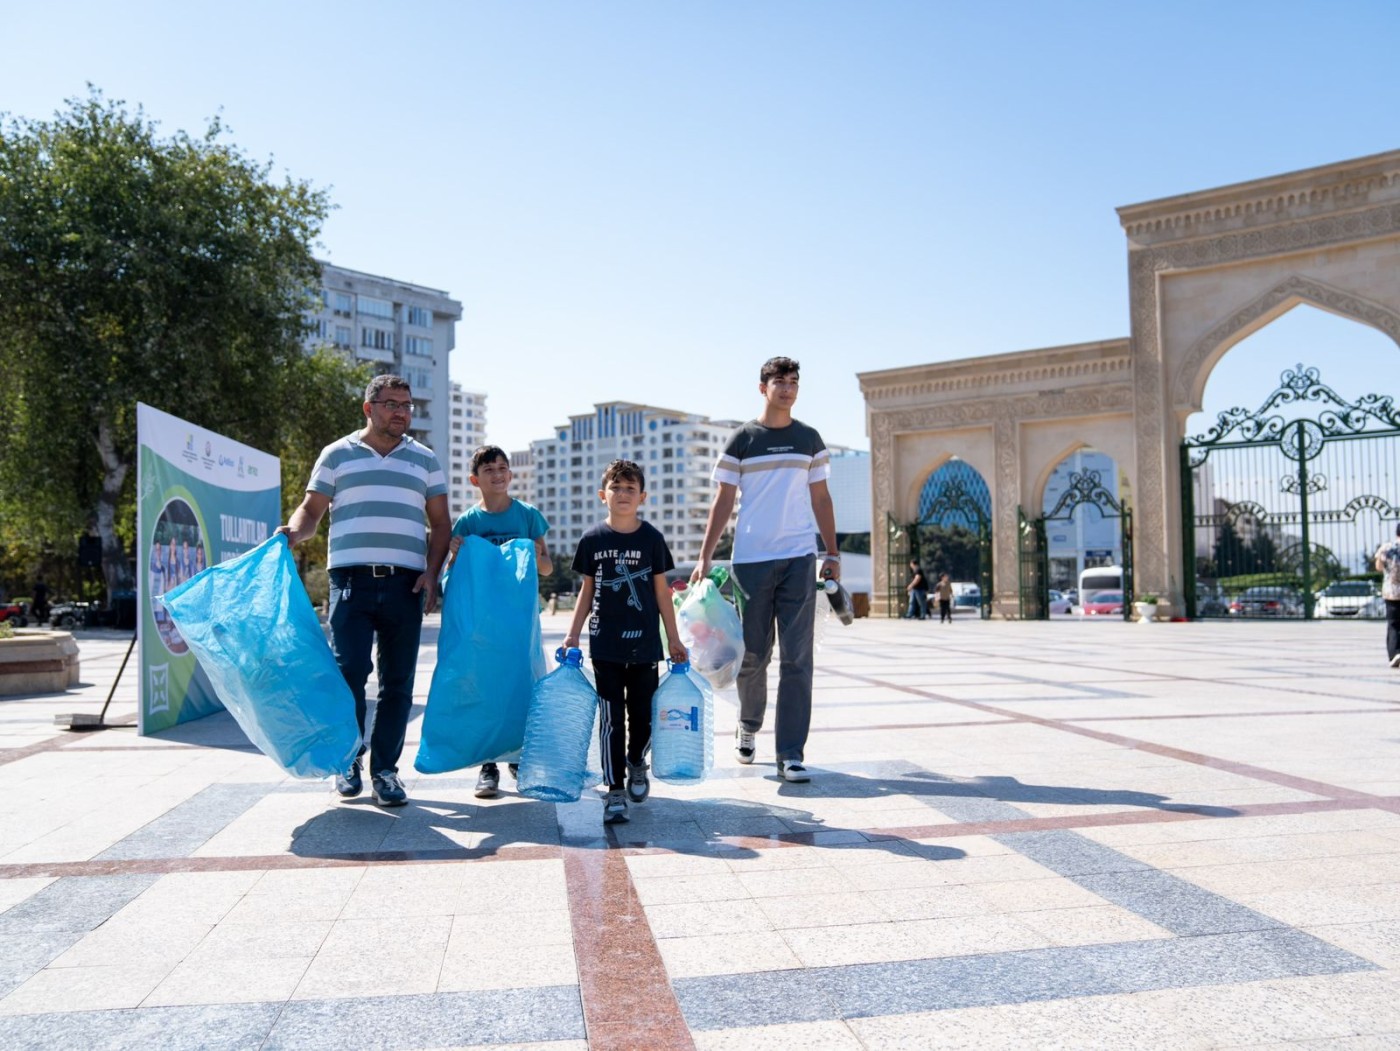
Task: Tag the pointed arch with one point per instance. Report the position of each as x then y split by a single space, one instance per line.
1195 368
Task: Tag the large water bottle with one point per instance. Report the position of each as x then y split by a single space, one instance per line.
554 763
840 600
682 718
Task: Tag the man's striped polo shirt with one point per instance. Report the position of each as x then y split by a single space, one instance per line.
378 503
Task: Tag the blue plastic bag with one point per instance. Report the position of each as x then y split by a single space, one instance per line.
554 762
255 633
489 656
682 717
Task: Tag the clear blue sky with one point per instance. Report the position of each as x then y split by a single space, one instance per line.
644 200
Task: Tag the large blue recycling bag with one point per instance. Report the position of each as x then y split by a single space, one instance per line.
255 633
489 655
554 762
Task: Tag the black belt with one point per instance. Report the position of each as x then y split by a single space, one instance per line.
375 571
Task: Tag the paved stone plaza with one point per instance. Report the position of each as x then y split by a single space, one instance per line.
1045 835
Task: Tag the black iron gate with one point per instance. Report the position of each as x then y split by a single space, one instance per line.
1086 489
1283 511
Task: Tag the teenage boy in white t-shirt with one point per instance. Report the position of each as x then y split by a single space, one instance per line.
778 466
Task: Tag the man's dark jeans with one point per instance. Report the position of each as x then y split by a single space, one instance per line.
364 606
781 595
1392 628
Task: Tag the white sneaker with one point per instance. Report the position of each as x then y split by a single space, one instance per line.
793 770
615 809
743 745
1395 661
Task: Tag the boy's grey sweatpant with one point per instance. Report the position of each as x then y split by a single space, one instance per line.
782 594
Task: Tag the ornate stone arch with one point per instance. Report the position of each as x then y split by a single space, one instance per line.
1194 369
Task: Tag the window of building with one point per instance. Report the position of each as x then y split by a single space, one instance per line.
422 317
343 336
376 338
376 307
418 345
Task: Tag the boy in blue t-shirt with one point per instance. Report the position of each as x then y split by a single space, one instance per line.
498 517
624 560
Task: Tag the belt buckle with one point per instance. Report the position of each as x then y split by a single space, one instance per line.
388 571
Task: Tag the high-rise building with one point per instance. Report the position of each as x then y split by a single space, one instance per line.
466 432
396 327
677 450
522 471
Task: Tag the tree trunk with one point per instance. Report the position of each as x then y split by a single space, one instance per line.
114 469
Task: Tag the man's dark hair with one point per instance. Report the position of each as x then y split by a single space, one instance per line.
780 366
488 454
627 471
385 381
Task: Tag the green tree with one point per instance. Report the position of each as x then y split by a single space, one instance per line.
134 267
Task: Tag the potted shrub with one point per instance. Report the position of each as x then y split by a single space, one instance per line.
1145 606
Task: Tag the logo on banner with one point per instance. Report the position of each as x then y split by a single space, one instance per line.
158 689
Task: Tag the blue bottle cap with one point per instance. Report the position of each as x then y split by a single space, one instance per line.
679 667
573 656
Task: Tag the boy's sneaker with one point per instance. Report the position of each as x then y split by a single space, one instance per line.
488 782
350 784
743 745
1395 661
793 770
638 787
514 771
615 808
388 789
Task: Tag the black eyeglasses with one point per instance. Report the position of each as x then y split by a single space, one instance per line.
396 406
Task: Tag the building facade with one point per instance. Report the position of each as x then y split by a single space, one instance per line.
677 450
466 426
396 327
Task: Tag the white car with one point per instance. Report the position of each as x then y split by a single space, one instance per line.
1349 598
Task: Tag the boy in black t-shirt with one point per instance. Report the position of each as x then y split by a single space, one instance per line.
624 561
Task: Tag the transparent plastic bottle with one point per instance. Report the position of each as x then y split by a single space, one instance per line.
559 724
682 717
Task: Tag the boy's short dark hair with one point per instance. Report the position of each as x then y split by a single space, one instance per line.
779 366
627 471
488 454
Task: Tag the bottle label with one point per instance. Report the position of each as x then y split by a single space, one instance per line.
680 719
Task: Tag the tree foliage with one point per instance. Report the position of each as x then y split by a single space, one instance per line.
173 271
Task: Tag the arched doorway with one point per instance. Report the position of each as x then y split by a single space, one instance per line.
952 534
1085 523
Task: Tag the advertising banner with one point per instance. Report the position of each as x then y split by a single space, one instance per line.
203 498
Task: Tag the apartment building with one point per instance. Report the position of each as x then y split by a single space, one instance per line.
676 449
396 327
466 426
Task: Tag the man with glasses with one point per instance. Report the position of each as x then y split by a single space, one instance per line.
378 483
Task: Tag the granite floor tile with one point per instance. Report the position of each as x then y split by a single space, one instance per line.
209 979
698 919
149 941
721 954
220 1027
811 1036
97 988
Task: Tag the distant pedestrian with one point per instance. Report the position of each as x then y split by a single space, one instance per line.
945 599
918 592
1388 562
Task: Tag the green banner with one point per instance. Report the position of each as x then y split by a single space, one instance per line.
204 498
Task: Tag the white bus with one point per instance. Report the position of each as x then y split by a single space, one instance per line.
1100 578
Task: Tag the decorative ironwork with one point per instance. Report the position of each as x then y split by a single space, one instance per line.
1298 385
1344 453
1085 487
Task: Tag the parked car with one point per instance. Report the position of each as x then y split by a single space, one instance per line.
967 598
68 615
1266 601
15 613
1103 604
1060 602
1349 598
